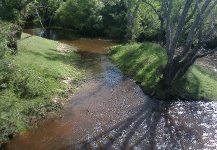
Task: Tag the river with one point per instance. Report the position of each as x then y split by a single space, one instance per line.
110 111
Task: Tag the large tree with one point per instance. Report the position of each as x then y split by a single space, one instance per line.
157 8
193 26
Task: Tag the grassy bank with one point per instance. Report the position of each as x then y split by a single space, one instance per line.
144 62
34 82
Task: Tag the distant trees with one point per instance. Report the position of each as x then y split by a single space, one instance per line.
44 11
80 14
157 8
190 26
132 10
14 11
114 18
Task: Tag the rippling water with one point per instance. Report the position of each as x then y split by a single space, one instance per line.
110 111
160 125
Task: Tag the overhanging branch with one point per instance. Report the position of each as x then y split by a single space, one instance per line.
24 4
208 52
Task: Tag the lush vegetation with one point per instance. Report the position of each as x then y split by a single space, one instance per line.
31 82
32 69
83 15
145 63
183 27
109 18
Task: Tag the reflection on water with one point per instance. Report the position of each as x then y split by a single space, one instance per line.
54 34
110 111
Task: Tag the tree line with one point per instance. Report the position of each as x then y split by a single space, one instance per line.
185 28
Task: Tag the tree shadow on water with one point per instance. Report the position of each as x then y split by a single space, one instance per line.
152 125
140 130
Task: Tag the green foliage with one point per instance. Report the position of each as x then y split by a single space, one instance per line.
9 11
12 119
30 81
114 19
5 52
147 23
46 10
8 121
4 37
93 16
80 14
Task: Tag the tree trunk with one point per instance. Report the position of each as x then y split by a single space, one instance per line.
131 18
160 33
128 35
178 70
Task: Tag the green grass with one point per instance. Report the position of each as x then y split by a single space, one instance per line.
31 80
145 62
200 83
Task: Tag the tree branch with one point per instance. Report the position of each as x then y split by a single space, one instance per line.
201 22
24 4
36 9
206 53
153 8
191 34
181 25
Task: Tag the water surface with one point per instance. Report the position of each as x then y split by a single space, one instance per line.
110 111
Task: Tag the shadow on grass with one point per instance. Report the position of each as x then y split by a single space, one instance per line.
198 84
189 88
207 72
71 58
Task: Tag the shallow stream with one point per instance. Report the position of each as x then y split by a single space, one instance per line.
110 111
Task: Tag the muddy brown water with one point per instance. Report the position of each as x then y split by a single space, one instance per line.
110 111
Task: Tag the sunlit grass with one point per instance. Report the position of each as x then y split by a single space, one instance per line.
145 62
200 83
31 80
